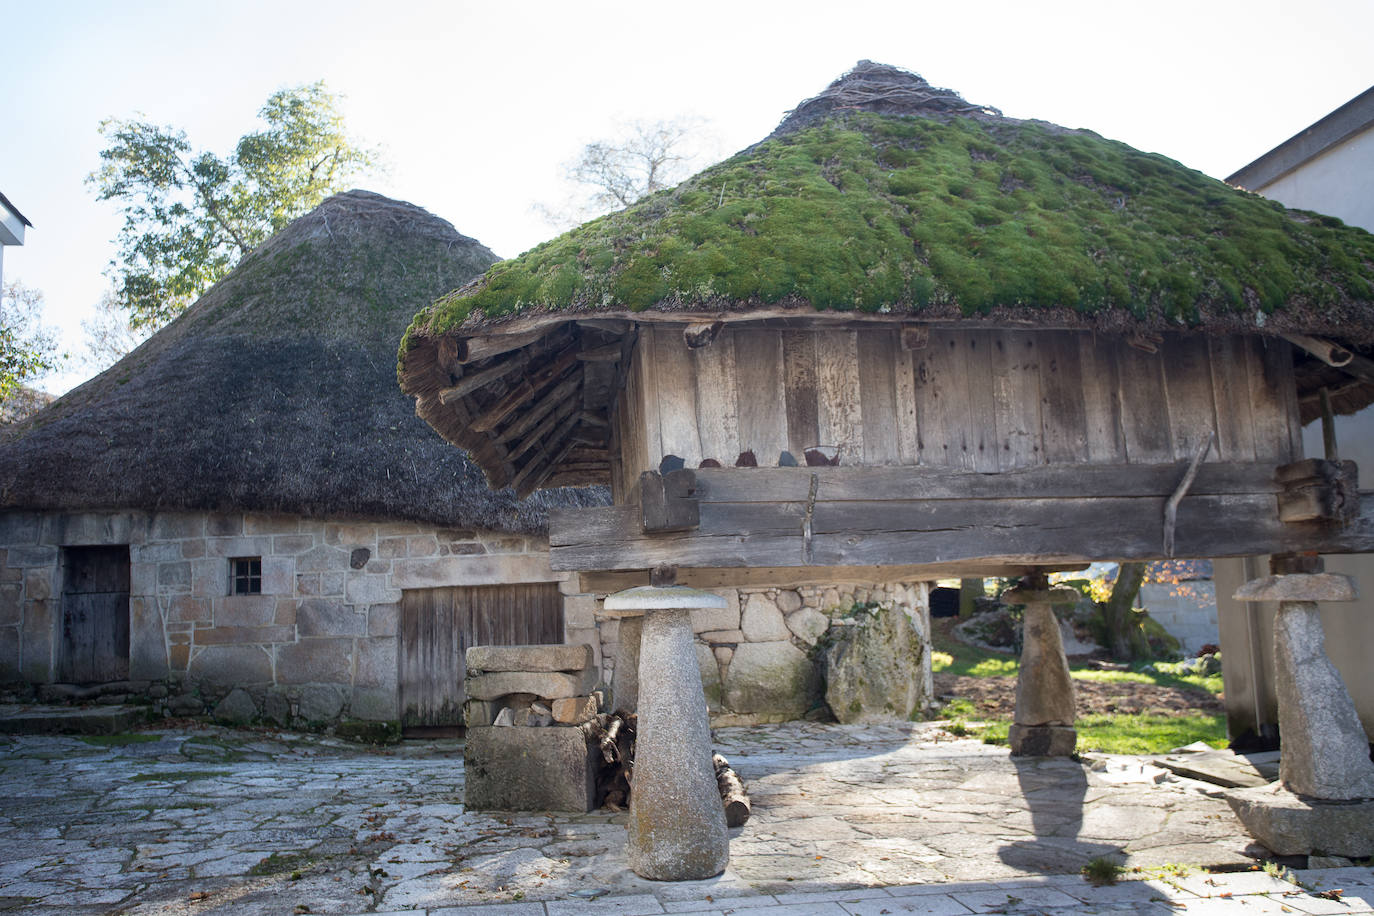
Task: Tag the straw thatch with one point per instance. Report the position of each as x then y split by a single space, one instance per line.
884 198
276 392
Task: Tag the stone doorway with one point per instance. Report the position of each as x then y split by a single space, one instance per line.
439 624
94 645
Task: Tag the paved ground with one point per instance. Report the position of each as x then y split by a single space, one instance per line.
847 819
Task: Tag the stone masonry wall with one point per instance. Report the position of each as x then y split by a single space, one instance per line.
758 655
319 643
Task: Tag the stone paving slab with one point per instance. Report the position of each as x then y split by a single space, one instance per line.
873 819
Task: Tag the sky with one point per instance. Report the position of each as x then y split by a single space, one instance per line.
477 106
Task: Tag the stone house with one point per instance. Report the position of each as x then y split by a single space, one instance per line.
245 516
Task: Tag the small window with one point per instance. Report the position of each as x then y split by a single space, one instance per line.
245 576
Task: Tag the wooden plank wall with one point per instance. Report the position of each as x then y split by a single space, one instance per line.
439 624
980 400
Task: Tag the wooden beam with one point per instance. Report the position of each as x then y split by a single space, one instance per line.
801 517
603 354
526 390
470 383
537 434
471 349
791 576
555 398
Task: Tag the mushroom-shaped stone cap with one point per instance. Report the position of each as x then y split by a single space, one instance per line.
1299 587
661 598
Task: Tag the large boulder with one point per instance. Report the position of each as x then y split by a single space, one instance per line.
873 667
771 681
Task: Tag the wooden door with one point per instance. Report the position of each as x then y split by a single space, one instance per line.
438 625
95 615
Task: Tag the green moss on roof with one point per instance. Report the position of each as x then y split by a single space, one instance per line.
886 213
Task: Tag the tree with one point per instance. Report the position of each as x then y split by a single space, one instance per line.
27 348
190 216
1125 638
647 156
109 334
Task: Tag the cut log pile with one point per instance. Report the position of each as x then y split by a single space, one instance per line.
614 735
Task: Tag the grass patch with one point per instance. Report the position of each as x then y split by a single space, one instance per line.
957 658
122 740
277 864
1148 733
1101 871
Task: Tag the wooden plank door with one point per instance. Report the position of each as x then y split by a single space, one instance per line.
95 615
439 624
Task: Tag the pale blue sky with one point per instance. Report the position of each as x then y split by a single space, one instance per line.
478 104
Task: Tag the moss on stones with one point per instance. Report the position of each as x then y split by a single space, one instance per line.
880 213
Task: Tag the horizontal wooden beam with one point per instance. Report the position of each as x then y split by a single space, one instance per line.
791 576
933 519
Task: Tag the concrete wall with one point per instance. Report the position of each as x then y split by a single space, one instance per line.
318 644
1339 182
1187 610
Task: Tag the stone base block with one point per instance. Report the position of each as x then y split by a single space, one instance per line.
529 769
1042 740
1294 825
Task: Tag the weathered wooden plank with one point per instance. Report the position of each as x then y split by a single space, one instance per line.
876 351
717 407
799 379
839 418
760 394
676 397
941 395
1064 421
1267 407
979 413
908 422
1101 399
791 576
1016 399
1188 379
1054 481
1144 406
648 400
1231 393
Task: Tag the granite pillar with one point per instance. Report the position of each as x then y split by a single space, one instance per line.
1045 702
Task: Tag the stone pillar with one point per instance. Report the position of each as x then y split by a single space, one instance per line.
625 678
677 826
1045 712
1325 796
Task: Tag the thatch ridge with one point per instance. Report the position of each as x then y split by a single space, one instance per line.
276 392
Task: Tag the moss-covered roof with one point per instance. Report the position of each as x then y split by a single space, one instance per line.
882 198
941 210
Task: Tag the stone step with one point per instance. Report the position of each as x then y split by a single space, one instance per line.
528 658
1224 768
69 720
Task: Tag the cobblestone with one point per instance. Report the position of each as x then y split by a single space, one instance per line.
857 820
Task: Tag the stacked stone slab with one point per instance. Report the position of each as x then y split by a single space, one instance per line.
525 748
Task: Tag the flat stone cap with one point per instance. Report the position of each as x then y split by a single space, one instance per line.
1299 587
528 658
663 598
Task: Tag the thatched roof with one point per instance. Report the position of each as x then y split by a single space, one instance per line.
885 198
276 392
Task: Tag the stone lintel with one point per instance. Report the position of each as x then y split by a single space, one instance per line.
528 658
1299 587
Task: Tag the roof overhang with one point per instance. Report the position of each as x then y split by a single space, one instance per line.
1354 117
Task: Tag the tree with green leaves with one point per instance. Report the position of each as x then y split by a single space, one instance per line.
27 348
190 216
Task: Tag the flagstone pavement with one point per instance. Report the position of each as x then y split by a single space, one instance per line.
860 820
